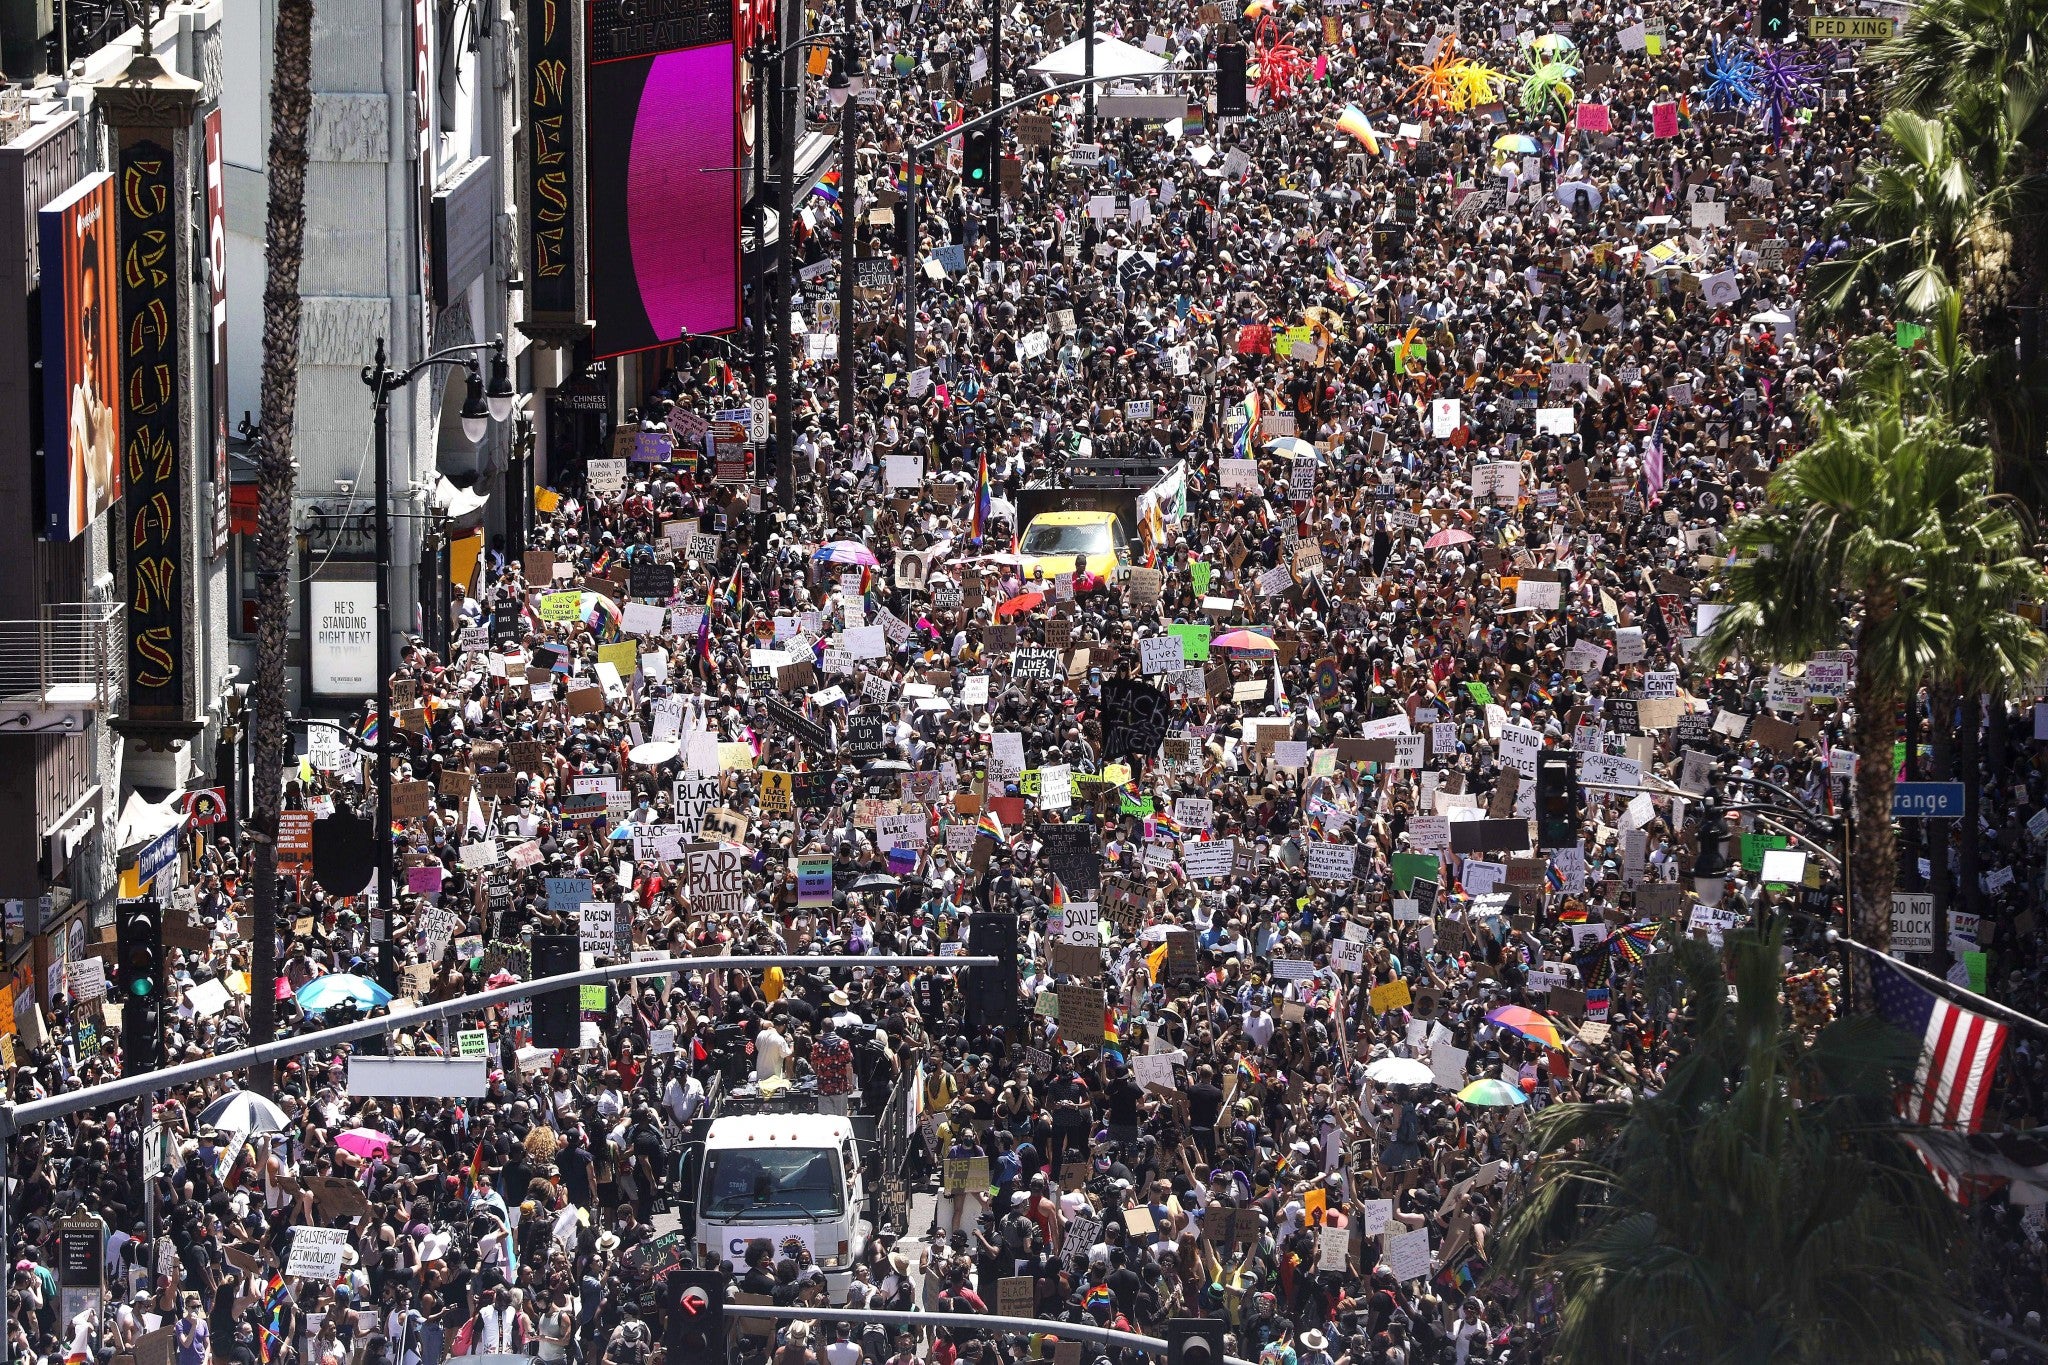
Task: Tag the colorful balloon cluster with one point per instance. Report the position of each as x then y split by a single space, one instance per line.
1731 74
1452 83
1780 81
1280 63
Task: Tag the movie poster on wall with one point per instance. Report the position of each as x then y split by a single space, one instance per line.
81 358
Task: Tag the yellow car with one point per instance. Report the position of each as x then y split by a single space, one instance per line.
1061 542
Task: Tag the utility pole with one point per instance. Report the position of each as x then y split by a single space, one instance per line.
764 87
995 128
849 216
785 267
1088 70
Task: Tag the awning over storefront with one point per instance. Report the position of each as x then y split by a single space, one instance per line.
242 500
463 554
457 502
148 840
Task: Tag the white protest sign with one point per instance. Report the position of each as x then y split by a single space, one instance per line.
316 1253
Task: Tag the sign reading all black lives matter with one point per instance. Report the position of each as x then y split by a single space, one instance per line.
1134 718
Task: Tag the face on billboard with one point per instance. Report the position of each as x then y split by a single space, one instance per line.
81 325
664 202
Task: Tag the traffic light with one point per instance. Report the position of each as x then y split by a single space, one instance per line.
556 1018
1774 18
1557 800
140 980
1194 1341
693 1317
980 168
991 992
1712 862
1230 97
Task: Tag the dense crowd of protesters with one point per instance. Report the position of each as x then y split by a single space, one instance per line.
1527 419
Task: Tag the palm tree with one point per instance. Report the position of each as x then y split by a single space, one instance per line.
1928 216
1886 530
1963 52
1759 1206
1982 66
291 98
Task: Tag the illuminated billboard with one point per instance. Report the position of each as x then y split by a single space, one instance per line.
81 358
662 143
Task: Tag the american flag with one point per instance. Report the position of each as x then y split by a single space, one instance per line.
1958 1052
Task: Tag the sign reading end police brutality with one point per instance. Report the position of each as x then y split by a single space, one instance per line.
717 882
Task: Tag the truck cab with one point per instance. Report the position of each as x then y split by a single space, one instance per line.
775 1176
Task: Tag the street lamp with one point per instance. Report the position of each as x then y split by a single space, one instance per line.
480 406
476 417
778 315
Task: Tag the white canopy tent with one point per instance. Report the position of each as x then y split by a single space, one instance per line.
1114 58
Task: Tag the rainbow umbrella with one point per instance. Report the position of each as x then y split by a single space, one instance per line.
1492 1093
1537 1028
1632 941
1244 642
594 605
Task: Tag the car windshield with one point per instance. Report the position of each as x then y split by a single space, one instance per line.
1042 539
770 1183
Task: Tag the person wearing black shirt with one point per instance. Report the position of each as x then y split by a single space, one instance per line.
1123 1282
1068 1094
577 1167
1121 1096
1205 1106
760 1276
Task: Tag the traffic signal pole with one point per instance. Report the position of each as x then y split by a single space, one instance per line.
15 1117
914 157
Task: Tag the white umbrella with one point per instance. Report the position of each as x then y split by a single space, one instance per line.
243 1111
1400 1071
1293 447
1113 58
1568 191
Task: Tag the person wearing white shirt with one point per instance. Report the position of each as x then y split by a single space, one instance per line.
770 1049
683 1097
840 1350
1258 1026
498 1326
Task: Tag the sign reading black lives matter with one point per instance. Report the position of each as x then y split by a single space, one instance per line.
1035 665
1134 718
695 795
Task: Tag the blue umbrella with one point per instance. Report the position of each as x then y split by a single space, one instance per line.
325 992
